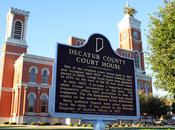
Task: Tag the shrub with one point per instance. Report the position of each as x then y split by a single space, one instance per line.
43 123
83 125
57 123
77 124
34 123
70 124
24 123
12 123
5 123
90 125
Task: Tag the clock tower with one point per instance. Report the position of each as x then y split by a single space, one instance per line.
130 36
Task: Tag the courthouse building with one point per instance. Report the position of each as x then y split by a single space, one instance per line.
25 79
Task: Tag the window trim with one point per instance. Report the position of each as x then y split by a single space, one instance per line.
48 73
34 95
22 26
46 106
136 53
34 68
36 72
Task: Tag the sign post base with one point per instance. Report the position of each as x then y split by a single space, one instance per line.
99 125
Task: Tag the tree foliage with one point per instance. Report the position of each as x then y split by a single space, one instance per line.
161 40
153 106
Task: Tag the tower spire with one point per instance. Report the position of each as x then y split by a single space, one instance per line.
129 10
127 3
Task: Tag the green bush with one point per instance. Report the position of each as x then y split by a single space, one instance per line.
24 123
83 125
90 125
57 123
70 124
5 122
34 123
12 123
76 124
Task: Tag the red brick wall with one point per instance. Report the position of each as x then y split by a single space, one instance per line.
8 77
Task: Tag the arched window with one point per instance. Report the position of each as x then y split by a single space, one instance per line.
18 29
45 76
78 43
44 103
33 71
31 102
45 73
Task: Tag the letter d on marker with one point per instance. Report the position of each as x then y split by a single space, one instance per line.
99 44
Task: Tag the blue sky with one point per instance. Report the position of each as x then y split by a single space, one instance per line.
52 21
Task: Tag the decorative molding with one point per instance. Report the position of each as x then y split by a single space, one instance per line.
6 89
26 88
36 114
143 77
36 59
33 67
30 114
129 22
38 88
35 85
19 11
12 53
48 72
16 41
31 93
44 94
17 45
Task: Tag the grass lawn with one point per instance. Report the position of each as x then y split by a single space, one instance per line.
35 127
30 127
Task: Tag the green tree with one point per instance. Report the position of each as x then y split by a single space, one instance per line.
153 106
161 40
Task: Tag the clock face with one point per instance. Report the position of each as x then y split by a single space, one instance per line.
135 35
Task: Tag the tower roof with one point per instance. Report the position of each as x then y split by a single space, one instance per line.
129 10
129 21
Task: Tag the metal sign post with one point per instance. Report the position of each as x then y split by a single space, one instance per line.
99 125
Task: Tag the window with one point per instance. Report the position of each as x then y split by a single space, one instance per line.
135 35
33 71
33 75
45 73
18 30
44 103
147 88
31 102
140 85
136 58
78 43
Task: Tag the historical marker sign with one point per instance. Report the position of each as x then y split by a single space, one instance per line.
93 82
